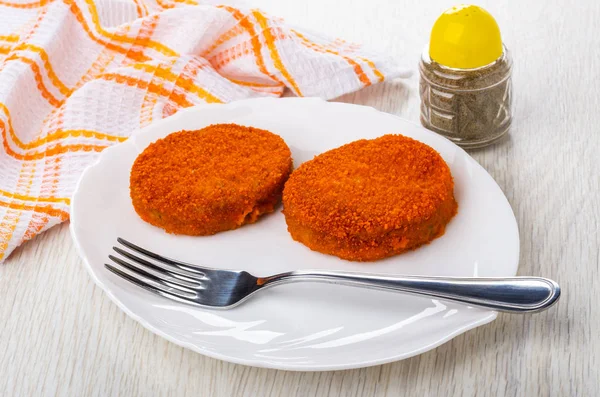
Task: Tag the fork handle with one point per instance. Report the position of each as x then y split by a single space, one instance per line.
509 294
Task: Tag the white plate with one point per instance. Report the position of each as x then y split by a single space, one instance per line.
299 326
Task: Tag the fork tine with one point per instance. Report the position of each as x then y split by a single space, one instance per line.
180 265
180 276
155 290
153 279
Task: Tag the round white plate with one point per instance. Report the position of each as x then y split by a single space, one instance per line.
302 326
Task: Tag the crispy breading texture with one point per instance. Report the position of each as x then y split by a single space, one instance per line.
370 199
210 180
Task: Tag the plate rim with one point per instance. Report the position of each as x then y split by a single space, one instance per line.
266 363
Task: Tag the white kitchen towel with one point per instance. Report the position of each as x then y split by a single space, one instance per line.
77 76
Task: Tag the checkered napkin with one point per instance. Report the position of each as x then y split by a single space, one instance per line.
77 76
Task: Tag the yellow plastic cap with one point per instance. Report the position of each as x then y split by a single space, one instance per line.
465 37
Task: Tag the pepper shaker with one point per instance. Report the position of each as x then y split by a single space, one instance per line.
465 78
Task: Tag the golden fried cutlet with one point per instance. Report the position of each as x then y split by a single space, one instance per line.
207 181
370 199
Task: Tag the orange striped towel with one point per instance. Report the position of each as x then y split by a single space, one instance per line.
77 76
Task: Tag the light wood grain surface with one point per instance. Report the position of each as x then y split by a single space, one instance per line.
60 335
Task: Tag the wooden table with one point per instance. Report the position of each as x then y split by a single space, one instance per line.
59 333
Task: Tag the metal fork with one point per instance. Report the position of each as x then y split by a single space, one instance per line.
214 288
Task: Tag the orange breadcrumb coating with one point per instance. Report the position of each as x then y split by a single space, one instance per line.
206 181
370 199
